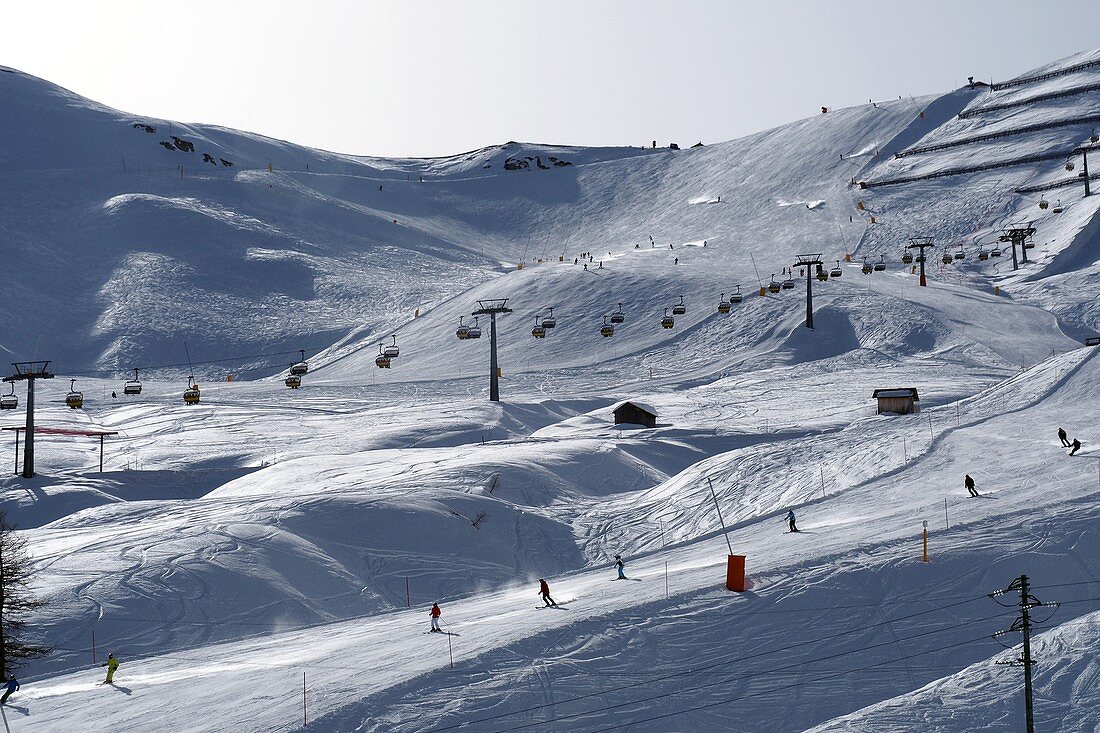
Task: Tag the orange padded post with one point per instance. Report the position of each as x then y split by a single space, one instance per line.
735 572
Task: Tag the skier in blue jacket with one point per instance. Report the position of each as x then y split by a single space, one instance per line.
12 685
790 520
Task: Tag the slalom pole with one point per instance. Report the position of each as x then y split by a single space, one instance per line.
304 722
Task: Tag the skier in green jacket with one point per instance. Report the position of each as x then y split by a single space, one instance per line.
111 664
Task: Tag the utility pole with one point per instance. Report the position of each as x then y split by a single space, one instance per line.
29 371
1017 234
808 261
491 308
920 244
1023 624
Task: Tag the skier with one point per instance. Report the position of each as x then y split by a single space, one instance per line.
676 261
111 664
1076 446
114 395
637 245
575 260
601 265
969 484
619 567
1062 437
435 614
379 186
12 685
586 266
790 520
544 591
670 245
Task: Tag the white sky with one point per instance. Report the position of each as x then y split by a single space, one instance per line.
410 78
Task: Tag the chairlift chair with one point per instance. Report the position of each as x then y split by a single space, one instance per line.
391 350
1069 166
723 306
736 297
302 367
538 331
1058 207
462 332
995 252
907 258
788 284
867 268
9 401
293 381
880 266
1029 244
382 361
1043 203
668 321
191 394
773 286
550 321
474 331
607 330
74 400
618 316
947 258
960 255
836 271
982 254
133 386
679 309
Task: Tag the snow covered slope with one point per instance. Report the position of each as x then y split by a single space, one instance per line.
231 546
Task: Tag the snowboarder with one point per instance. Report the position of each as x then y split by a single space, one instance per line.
1076 446
619 567
114 395
637 245
13 685
670 246
790 520
1062 437
544 591
968 482
435 614
111 664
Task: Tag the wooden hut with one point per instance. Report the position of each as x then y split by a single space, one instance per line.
1092 341
902 400
635 413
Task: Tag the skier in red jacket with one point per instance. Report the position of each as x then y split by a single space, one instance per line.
436 613
544 591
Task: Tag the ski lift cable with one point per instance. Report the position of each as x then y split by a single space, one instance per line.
190 364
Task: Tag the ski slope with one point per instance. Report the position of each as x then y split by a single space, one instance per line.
230 547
